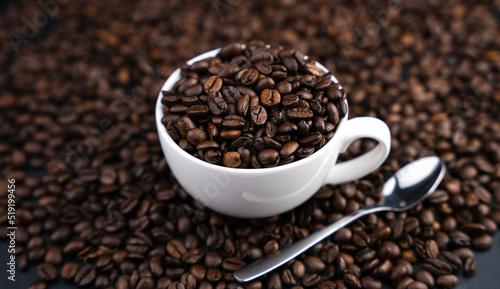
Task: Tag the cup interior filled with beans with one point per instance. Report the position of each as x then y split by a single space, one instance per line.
251 130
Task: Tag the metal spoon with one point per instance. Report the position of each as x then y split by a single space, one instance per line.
407 188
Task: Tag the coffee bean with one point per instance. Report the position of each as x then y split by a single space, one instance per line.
425 277
416 285
371 283
482 242
268 157
270 98
299 113
69 271
447 281
398 273
311 140
459 239
61 234
264 68
148 283
47 271
232 94
85 275
218 106
231 159
176 249
274 281
233 122
311 280
54 256
314 265
214 275
248 76
436 267
452 259
193 256
352 281
470 266
382 269
213 84
233 264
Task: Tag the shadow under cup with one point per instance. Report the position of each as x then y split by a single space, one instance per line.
264 192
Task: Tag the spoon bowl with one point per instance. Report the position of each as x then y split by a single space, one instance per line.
412 184
407 188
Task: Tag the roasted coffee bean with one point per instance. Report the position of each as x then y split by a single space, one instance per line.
274 281
212 259
231 159
425 277
148 283
69 271
218 106
47 271
398 273
470 266
482 242
193 256
311 280
452 259
268 157
351 280
436 267
232 94
243 105
314 265
389 250
370 283
213 275
85 275
447 281
233 264
459 239
249 76
365 255
288 278
213 84
228 71
416 285
299 113
197 111
196 136
383 269
61 234
54 256
176 249
270 98
233 122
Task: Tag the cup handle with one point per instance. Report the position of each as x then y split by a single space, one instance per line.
361 127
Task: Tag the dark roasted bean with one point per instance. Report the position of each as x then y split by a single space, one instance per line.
213 84
437 267
47 271
425 277
447 281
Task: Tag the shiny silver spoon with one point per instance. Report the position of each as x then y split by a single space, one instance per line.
407 188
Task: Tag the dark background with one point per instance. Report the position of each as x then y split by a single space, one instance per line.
425 54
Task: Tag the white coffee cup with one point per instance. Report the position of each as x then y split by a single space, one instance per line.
264 192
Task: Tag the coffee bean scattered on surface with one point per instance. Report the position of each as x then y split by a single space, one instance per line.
77 132
253 106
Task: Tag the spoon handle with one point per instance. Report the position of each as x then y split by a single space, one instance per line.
272 262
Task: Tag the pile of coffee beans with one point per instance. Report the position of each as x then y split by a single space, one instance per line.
97 206
253 106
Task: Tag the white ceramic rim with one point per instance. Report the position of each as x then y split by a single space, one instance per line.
162 130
